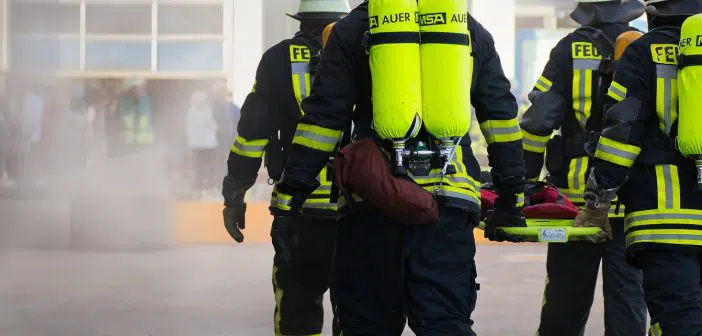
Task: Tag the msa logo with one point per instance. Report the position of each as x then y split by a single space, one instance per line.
373 22
432 19
664 53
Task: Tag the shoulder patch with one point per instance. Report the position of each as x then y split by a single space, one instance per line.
664 53
584 50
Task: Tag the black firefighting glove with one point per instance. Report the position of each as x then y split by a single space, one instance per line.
508 209
595 213
234 212
286 205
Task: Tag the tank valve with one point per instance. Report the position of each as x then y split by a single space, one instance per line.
398 147
698 162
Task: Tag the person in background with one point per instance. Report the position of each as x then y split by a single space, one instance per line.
134 110
202 140
222 111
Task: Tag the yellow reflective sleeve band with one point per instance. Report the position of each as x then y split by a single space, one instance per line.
576 174
617 91
520 200
616 152
281 201
316 137
534 143
543 84
319 204
454 192
249 148
668 185
501 131
664 216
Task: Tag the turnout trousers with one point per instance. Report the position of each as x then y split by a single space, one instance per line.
673 290
388 273
572 270
299 286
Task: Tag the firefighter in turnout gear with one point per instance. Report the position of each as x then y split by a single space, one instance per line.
265 133
572 101
637 156
388 272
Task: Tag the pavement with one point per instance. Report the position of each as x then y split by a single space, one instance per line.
217 290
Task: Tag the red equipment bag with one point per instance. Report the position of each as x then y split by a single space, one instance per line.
363 169
541 201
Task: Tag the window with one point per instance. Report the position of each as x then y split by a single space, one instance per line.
190 56
44 18
44 54
190 19
118 19
118 55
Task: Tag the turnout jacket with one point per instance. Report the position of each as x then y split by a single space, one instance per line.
342 92
569 96
637 148
269 116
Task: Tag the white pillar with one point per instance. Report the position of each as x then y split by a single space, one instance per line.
498 17
247 46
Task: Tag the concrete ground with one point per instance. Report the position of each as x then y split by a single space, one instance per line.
216 291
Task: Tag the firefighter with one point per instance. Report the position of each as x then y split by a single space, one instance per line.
569 96
266 127
388 272
636 156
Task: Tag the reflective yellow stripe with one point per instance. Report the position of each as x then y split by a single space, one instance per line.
663 226
617 91
666 96
534 143
316 137
543 84
249 148
656 330
520 200
501 131
278 301
576 174
300 68
582 88
668 185
575 196
281 201
617 152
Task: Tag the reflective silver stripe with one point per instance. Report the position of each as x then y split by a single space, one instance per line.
668 180
316 137
576 175
586 64
450 178
631 239
503 130
248 148
452 194
616 91
534 143
668 73
616 152
301 69
319 205
323 188
664 216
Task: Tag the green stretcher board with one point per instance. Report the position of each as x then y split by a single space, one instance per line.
548 231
